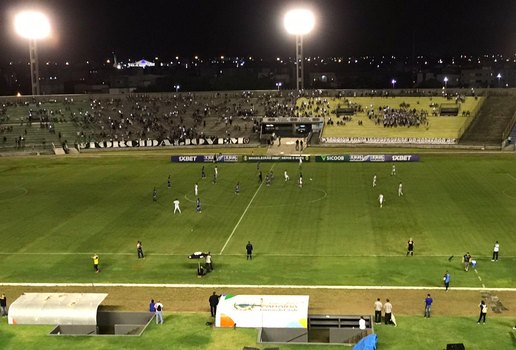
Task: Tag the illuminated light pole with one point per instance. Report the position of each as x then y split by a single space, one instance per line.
279 84
177 87
499 76
445 82
299 22
393 82
34 26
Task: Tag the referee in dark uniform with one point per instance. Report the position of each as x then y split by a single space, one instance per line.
249 250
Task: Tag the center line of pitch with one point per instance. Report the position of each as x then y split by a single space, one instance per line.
242 216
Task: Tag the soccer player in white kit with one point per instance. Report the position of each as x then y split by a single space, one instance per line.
380 199
374 181
285 174
176 206
400 190
300 181
196 189
393 171
216 172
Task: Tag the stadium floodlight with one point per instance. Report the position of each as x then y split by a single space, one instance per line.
279 84
393 82
445 82
177 87
34 26
299 22
499 76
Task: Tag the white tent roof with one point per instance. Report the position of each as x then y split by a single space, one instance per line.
56 308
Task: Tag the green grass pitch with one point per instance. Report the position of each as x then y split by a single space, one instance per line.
56 212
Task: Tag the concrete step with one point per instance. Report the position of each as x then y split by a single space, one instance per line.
59 151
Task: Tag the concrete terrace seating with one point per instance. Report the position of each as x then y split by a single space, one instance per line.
380 118
493 118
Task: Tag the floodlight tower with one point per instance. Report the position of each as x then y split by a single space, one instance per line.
34 26
445 82
299 22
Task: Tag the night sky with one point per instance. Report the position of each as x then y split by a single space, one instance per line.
92 29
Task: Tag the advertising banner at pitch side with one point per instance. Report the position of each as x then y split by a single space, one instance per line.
269 311
368 158
282 158
209 158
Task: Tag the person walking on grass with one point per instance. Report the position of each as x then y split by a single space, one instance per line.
387 307
466 259
483 312
159 312
176 206
496 249
428 305
446 280
96 260
139 250
249 250
410 247
209 264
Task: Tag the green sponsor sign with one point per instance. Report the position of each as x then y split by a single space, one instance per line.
333 158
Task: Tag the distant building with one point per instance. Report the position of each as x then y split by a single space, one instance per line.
326 80
141 64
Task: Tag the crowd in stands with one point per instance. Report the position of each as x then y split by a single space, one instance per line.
390 117
185 115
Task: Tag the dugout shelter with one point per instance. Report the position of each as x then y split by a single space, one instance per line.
56 308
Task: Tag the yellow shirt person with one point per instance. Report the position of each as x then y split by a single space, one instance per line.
96 262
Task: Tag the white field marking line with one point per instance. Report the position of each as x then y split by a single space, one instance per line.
512 177
325 194
263 254
507 195
480 279
25 191
244 286
242 216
